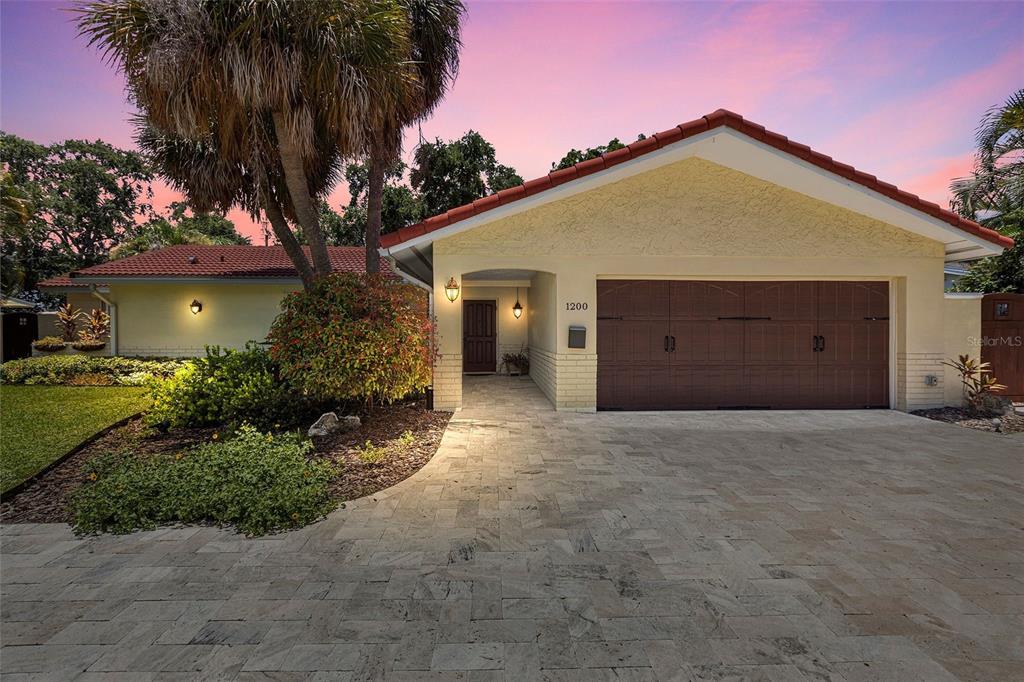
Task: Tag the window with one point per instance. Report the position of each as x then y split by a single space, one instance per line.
1002 309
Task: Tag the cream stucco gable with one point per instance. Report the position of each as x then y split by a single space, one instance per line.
692 207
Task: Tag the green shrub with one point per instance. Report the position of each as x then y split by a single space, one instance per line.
228 387
84 370
255 482
355 337
49 344
372 454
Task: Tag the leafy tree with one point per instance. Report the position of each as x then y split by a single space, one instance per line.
16 207
574 156
994 195
255 104
181 228
450 174
400 205
343 230
433 44
87 198
214 225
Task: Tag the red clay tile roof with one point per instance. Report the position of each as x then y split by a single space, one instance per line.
229 262
61 282
718 119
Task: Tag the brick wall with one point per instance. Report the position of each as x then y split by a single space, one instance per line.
912 393
448 382
542 371
576 387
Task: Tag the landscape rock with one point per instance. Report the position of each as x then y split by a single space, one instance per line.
324 426
329 422
349 423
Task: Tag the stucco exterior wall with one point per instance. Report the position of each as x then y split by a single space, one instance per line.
962 324
697 220
155 320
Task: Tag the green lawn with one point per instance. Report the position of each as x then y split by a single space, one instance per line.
38 424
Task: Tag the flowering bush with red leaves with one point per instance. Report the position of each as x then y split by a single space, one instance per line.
355 337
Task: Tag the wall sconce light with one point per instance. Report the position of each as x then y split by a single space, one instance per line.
451 290
195 306
517 309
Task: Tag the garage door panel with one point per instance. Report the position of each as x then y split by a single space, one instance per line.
633 342
637 387
702 341
781 387
853 300
860 342
853 387
706 300
779 342
706 387
781 300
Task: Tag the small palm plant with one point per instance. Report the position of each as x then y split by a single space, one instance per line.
68 318
97 329
978 382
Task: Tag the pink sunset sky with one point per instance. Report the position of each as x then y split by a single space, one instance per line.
895 89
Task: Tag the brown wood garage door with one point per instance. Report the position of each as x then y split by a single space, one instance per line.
674 345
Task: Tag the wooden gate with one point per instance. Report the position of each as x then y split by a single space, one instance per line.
1002 331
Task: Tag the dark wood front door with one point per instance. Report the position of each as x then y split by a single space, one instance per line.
712 345
479 336
1002 331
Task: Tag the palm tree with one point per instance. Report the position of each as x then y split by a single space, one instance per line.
997 183
431 65
256 103
994 196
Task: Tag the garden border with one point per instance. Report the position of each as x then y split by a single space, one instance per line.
16 490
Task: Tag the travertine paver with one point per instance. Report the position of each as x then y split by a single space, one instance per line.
544 545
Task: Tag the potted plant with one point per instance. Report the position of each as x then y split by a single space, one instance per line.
67 319
517 364
97 328
49 344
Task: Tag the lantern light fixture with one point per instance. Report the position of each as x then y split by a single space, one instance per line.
195 306
451 290
517 309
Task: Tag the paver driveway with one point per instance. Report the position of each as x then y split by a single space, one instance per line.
537 544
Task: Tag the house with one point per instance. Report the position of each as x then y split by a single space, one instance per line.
174 301
713 265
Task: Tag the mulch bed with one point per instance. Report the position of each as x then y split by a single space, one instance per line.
45 500
384 429
1008 423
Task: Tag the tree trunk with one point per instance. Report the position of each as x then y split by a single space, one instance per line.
289 242
298 190
374 207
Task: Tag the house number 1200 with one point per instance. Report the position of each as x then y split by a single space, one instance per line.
575 305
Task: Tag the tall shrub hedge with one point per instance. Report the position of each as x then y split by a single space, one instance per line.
355 337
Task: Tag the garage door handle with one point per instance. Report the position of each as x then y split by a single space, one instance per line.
819 344
822 349
673 349
666 344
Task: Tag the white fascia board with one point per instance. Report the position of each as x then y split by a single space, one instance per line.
732 149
